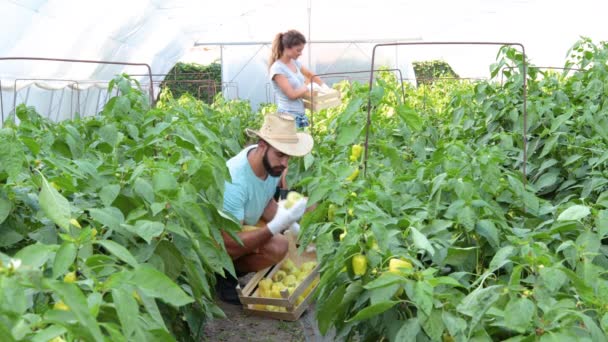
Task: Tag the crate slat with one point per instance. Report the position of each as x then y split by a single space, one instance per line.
320 101
248 295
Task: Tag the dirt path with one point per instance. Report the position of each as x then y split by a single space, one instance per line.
241 327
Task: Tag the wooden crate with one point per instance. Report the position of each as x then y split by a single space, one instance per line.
249 295
320 101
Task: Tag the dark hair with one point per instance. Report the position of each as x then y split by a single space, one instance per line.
284 41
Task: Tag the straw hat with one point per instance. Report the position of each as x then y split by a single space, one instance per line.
279 130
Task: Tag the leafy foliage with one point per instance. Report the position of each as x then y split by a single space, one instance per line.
128 202
202 82
428 71
496 254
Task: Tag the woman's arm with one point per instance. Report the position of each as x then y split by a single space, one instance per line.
287 89
310 76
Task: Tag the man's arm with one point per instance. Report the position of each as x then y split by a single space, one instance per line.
252 240
270 210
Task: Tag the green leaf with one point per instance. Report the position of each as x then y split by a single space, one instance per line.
148 230
164 180
119 251
453 323
144 190
109 134
382 294
71 295
5 209
110 217
596 333
35 255
47 334
411 117
487 229
476 303
552 278
423 296
549 144
195 214
421 241
574 213
172 258
433 325
501 258
372 310
444 281
385 279
127 310
347 135
351 110
155 284
54 205
64 258
560 120
14 301
408 331
326 309
546 180
12 157
604 322
518 314
466 216
108 194
601 223
437 182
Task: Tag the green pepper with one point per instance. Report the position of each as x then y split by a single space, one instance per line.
359 264
355 152
331 212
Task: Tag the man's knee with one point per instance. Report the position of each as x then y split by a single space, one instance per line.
276 248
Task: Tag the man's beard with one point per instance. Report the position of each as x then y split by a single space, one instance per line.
269 169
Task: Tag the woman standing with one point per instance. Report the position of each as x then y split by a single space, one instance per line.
290 80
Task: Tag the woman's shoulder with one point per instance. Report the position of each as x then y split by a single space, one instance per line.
277 64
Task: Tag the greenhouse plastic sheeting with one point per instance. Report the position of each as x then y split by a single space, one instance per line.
160 32
154 32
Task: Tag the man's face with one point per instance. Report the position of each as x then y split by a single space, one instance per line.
275 162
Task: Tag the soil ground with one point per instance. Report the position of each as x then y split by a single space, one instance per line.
241 327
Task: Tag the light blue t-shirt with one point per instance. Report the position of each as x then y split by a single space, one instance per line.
295 79
247 196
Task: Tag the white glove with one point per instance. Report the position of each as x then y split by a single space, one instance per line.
295 228
284 218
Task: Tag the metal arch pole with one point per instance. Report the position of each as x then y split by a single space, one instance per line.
27 94
151 90
14 101
59 105
98 98
51 102
1 105
525 111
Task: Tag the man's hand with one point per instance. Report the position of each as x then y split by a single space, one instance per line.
295 228
284 218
